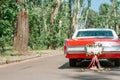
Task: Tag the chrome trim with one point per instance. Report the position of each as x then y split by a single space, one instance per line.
76 52
82 49
76 49
111 52
111 48
108 44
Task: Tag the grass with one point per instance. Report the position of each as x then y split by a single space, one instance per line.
9 55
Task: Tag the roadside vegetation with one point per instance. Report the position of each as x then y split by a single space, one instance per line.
44 24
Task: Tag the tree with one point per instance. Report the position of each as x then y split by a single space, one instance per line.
92 18
115 5
105 14
70 28
8 12
87 11
51 21
21 35
76 15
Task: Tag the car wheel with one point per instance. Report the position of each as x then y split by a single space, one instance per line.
72 62
117 62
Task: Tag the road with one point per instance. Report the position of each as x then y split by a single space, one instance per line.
55 68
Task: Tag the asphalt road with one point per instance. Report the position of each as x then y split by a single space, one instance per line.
56 68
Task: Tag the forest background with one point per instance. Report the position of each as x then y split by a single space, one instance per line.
45 24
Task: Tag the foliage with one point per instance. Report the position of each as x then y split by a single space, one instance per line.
42 33
8 14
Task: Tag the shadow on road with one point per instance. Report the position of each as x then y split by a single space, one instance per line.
81 71
84 64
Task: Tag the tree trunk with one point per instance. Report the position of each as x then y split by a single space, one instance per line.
76 14
86 17
21 35
53 17
115 16
69 31
55 11
87 12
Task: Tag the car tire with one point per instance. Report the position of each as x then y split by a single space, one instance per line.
117 62
72 62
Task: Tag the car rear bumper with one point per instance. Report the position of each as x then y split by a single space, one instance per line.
84 56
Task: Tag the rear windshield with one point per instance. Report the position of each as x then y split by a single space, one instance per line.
101 33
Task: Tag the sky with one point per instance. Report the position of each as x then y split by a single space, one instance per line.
95 4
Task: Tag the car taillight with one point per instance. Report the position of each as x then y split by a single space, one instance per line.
65 46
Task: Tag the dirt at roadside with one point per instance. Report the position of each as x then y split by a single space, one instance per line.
35 54
46 53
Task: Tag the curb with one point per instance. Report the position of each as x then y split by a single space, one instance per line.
18 59
42 54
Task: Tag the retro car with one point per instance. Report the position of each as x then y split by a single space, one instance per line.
84 41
